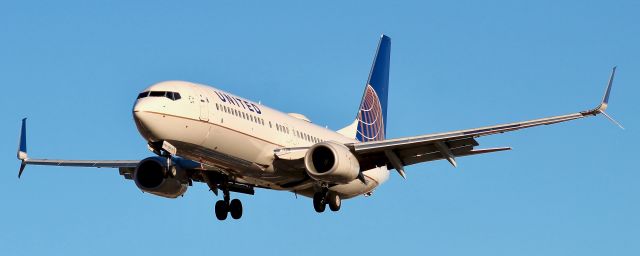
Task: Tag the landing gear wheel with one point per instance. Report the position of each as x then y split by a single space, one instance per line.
235 208
334 202
319 203
221 210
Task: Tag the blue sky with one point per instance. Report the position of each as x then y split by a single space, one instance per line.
75 67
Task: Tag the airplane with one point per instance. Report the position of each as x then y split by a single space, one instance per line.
203 134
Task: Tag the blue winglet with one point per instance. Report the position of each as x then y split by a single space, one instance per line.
605 102
605 99
22 147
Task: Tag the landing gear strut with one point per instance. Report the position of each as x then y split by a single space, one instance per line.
226 206
321 199
221 182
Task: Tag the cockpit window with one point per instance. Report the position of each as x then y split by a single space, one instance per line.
169 95
142 95
157 94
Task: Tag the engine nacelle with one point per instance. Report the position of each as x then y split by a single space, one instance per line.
331 162
152 175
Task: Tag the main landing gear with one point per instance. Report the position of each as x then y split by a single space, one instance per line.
324 198
226 206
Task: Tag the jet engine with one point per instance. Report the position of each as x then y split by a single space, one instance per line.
154 176
331 162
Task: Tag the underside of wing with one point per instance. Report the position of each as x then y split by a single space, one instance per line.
84 163
413 153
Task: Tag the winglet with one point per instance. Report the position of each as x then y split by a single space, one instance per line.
22 146
605 102
605 99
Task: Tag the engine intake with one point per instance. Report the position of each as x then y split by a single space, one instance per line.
331 162
152 175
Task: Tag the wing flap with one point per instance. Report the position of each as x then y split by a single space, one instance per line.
467 151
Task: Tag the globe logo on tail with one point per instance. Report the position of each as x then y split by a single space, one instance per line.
370 117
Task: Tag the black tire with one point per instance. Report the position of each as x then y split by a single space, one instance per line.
235 208
334 202
319 203
221 210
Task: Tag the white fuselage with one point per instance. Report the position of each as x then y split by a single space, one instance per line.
238 136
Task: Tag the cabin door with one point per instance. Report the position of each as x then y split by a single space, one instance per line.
204 106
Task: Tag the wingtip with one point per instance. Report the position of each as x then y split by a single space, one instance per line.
22 147
605 101
22 166
22 144
604 104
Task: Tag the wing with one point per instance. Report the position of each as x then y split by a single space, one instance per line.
22 155
449 145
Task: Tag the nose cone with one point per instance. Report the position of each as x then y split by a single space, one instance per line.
142 118
142 108
148 115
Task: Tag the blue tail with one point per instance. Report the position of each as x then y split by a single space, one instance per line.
372 116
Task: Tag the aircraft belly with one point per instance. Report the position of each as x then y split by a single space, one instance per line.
240 155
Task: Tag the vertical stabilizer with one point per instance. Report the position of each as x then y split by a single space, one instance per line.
371 120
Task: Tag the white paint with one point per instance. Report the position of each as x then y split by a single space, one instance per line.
243 133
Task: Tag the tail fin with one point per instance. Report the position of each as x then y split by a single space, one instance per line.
371 120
